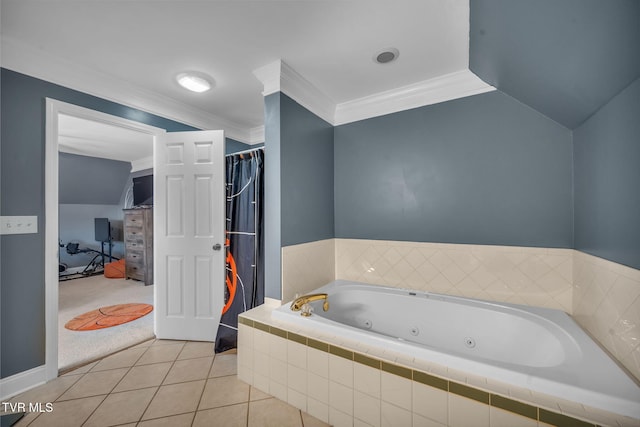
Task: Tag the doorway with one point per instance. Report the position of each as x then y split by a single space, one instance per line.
56 110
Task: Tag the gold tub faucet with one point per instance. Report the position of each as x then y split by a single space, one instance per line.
299 302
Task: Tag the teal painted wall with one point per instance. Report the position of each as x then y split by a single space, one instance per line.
272 197
91 180
565 58
484 169
22 193
298 182
306 170
607 180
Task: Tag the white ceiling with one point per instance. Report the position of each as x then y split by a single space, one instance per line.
89 138
139 46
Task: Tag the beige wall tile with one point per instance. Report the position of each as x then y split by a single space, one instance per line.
317 409
502 418
341 370
297 354
318 362
306 267
393 416
341 398
278 390
396 390
464 412
318 388
278 347
430 402
278 371
297 399
536 276
366 380
297 378
339 419
607 305
366 408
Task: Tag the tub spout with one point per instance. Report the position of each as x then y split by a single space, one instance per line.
299 302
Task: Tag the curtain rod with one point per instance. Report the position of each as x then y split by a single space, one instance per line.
245 151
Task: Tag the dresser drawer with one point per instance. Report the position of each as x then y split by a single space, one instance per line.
133 244
134 220
135 272
135 257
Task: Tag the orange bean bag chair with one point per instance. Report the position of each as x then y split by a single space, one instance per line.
114 270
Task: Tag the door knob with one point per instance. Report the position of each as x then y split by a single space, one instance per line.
217 247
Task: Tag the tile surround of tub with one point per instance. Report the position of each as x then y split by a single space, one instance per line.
307 266
532 276
602 296
606 302
350 384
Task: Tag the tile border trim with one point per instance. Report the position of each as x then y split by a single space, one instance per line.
490 399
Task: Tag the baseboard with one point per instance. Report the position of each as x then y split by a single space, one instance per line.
21 382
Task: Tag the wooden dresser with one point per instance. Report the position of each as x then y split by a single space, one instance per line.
138 244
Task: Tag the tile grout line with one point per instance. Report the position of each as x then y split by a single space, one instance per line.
204 387
116 385
159 386
341 352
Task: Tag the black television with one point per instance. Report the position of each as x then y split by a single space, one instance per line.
143 191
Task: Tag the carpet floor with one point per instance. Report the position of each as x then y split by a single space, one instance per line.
79 296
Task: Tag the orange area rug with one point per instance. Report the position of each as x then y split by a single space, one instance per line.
106 317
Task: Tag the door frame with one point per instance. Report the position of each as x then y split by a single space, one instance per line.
54 109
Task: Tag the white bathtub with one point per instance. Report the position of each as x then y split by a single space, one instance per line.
539 349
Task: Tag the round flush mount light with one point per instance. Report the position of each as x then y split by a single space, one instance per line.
386 56
195 81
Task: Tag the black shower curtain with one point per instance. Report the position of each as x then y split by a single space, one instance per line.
244 244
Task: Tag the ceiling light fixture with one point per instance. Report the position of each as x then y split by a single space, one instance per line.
194 81
386 56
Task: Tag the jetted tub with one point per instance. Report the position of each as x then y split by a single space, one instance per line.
539 349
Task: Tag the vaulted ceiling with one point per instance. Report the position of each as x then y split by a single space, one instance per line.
565 58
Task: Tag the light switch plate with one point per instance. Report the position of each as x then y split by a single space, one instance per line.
18 224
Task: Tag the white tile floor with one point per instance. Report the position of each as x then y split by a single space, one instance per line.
159 383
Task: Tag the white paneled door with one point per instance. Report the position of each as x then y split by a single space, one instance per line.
189 211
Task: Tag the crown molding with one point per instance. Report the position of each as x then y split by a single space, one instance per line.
256 135
306 94
25 59
142 164
269 76
450 86
278 76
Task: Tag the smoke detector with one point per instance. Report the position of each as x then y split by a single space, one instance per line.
386 56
